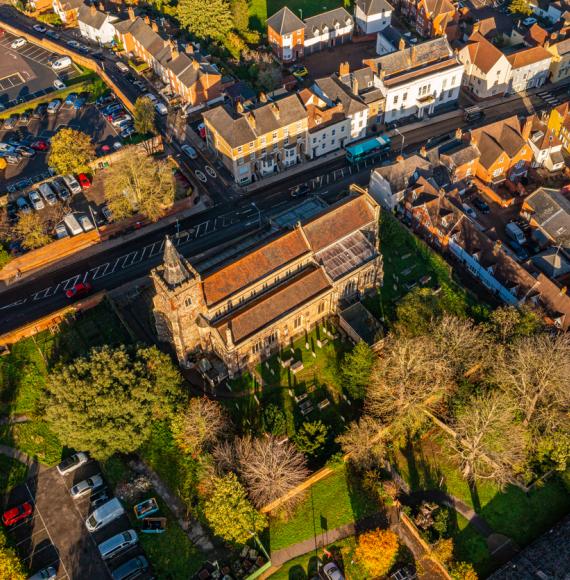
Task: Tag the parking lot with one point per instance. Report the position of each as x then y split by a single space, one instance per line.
25 72
55 535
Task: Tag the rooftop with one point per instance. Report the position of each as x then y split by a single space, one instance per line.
284 21
551 211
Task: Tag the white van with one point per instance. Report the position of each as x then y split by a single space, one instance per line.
61 63
161 108
72 224
117 544
104 515
85 223
72 184
47 193
123 68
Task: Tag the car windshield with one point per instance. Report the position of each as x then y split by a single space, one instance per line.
92 521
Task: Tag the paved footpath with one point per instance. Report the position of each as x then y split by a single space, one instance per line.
33 466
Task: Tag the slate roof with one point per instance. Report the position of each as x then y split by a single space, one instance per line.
336 91
502 136
284 21
552 262
399 173
299 290
254 266
315 25
460 153
91 17
236 130
552 214
150 40
371 7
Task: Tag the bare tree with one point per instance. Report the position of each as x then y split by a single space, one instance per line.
199 425
364 442
411 377
489 444
225 457
536 372
269 468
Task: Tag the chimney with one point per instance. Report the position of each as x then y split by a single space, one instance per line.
262 97
423 151
527 127
154 26
400 158
275 109
458 133
497 246
147 20
344 69
402 44
354 85
413 54
476 27
554 36
382 74
195 64
131 12
251 119
546 43
174 49
189 48
101 7
239 108
93 9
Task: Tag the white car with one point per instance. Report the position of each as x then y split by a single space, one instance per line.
152 98
86 486
117 122
53 106
58 84
39 28
36 200
70 464
61 231
61 63
18 43
190 151
161 108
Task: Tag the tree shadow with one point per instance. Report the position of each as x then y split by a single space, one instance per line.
474 493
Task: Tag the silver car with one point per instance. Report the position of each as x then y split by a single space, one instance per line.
36 200
86 486
49 573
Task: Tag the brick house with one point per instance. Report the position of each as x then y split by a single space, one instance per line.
434 16
67 10
248 306
286 35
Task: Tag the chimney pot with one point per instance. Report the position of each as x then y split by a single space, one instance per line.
147 20
400 158
154 26
423 151
93 9
262 97
344 69
458 133
131 12
355 85
239 107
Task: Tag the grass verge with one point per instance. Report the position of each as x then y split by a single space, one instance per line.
12 473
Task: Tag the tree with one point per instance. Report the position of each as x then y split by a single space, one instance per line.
199 425
269 468
211 19
356 369
145 116
268 75
10 566
377 551
71 151
443 550
463 571
311 437
416 311
107 401
508 323
97 88
364 442
139 184
273 420
240 14
230 514
535 371
31 229
489 444
520 7
409 379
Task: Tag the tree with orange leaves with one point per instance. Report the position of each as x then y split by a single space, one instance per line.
377 551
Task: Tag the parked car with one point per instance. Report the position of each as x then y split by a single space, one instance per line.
332 572
73 462
86 486
481 205
61 63
61 189
108 109
49 573
299 71
36 200
124 118
131 569
47 193
161 109
151 97
105 100
122 124
71 98
300 190
53 106
60 231
105 514
40 145
190 151
23 205
84 181
39 28
72 43
18 43
26 117
469 211
126 133
79 290
72 184
78 104
39 111
10 122
85 223
519 251
118 544
25 151
52 34
17 514
107 214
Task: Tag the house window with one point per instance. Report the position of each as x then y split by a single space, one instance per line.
297 322
314 139
240 149
274 136
342 129
251 144
404 96
272 337
321 308
333 132
188 302
497 172
257 347
286 141
395 99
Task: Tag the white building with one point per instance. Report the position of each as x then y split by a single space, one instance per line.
332 91
95 25
327 30
529 68
546 146
388 40
416 80
372 15
487 70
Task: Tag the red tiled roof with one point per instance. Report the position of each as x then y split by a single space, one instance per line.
528 56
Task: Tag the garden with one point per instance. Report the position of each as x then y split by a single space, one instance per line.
261 10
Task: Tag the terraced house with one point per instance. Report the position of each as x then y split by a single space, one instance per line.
251 304
188 75
258 142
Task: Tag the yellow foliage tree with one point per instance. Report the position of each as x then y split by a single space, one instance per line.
377 551
71 151
10 566
443 550
463 571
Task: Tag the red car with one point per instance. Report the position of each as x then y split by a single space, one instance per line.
79 290
40 145
84 181
16 514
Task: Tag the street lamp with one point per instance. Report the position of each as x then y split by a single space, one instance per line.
258 212
403 139
301 13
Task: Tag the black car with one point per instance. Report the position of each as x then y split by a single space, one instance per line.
12 211
481 205
40 111
52 58
10 122
518 250
61 189
25 117
300 190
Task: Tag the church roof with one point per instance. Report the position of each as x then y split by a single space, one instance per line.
174 270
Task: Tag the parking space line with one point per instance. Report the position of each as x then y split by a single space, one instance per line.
47 530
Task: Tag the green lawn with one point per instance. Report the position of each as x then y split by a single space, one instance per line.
471 546
330 503
12 473
260 10
520 516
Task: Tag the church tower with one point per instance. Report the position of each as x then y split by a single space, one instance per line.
178 301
